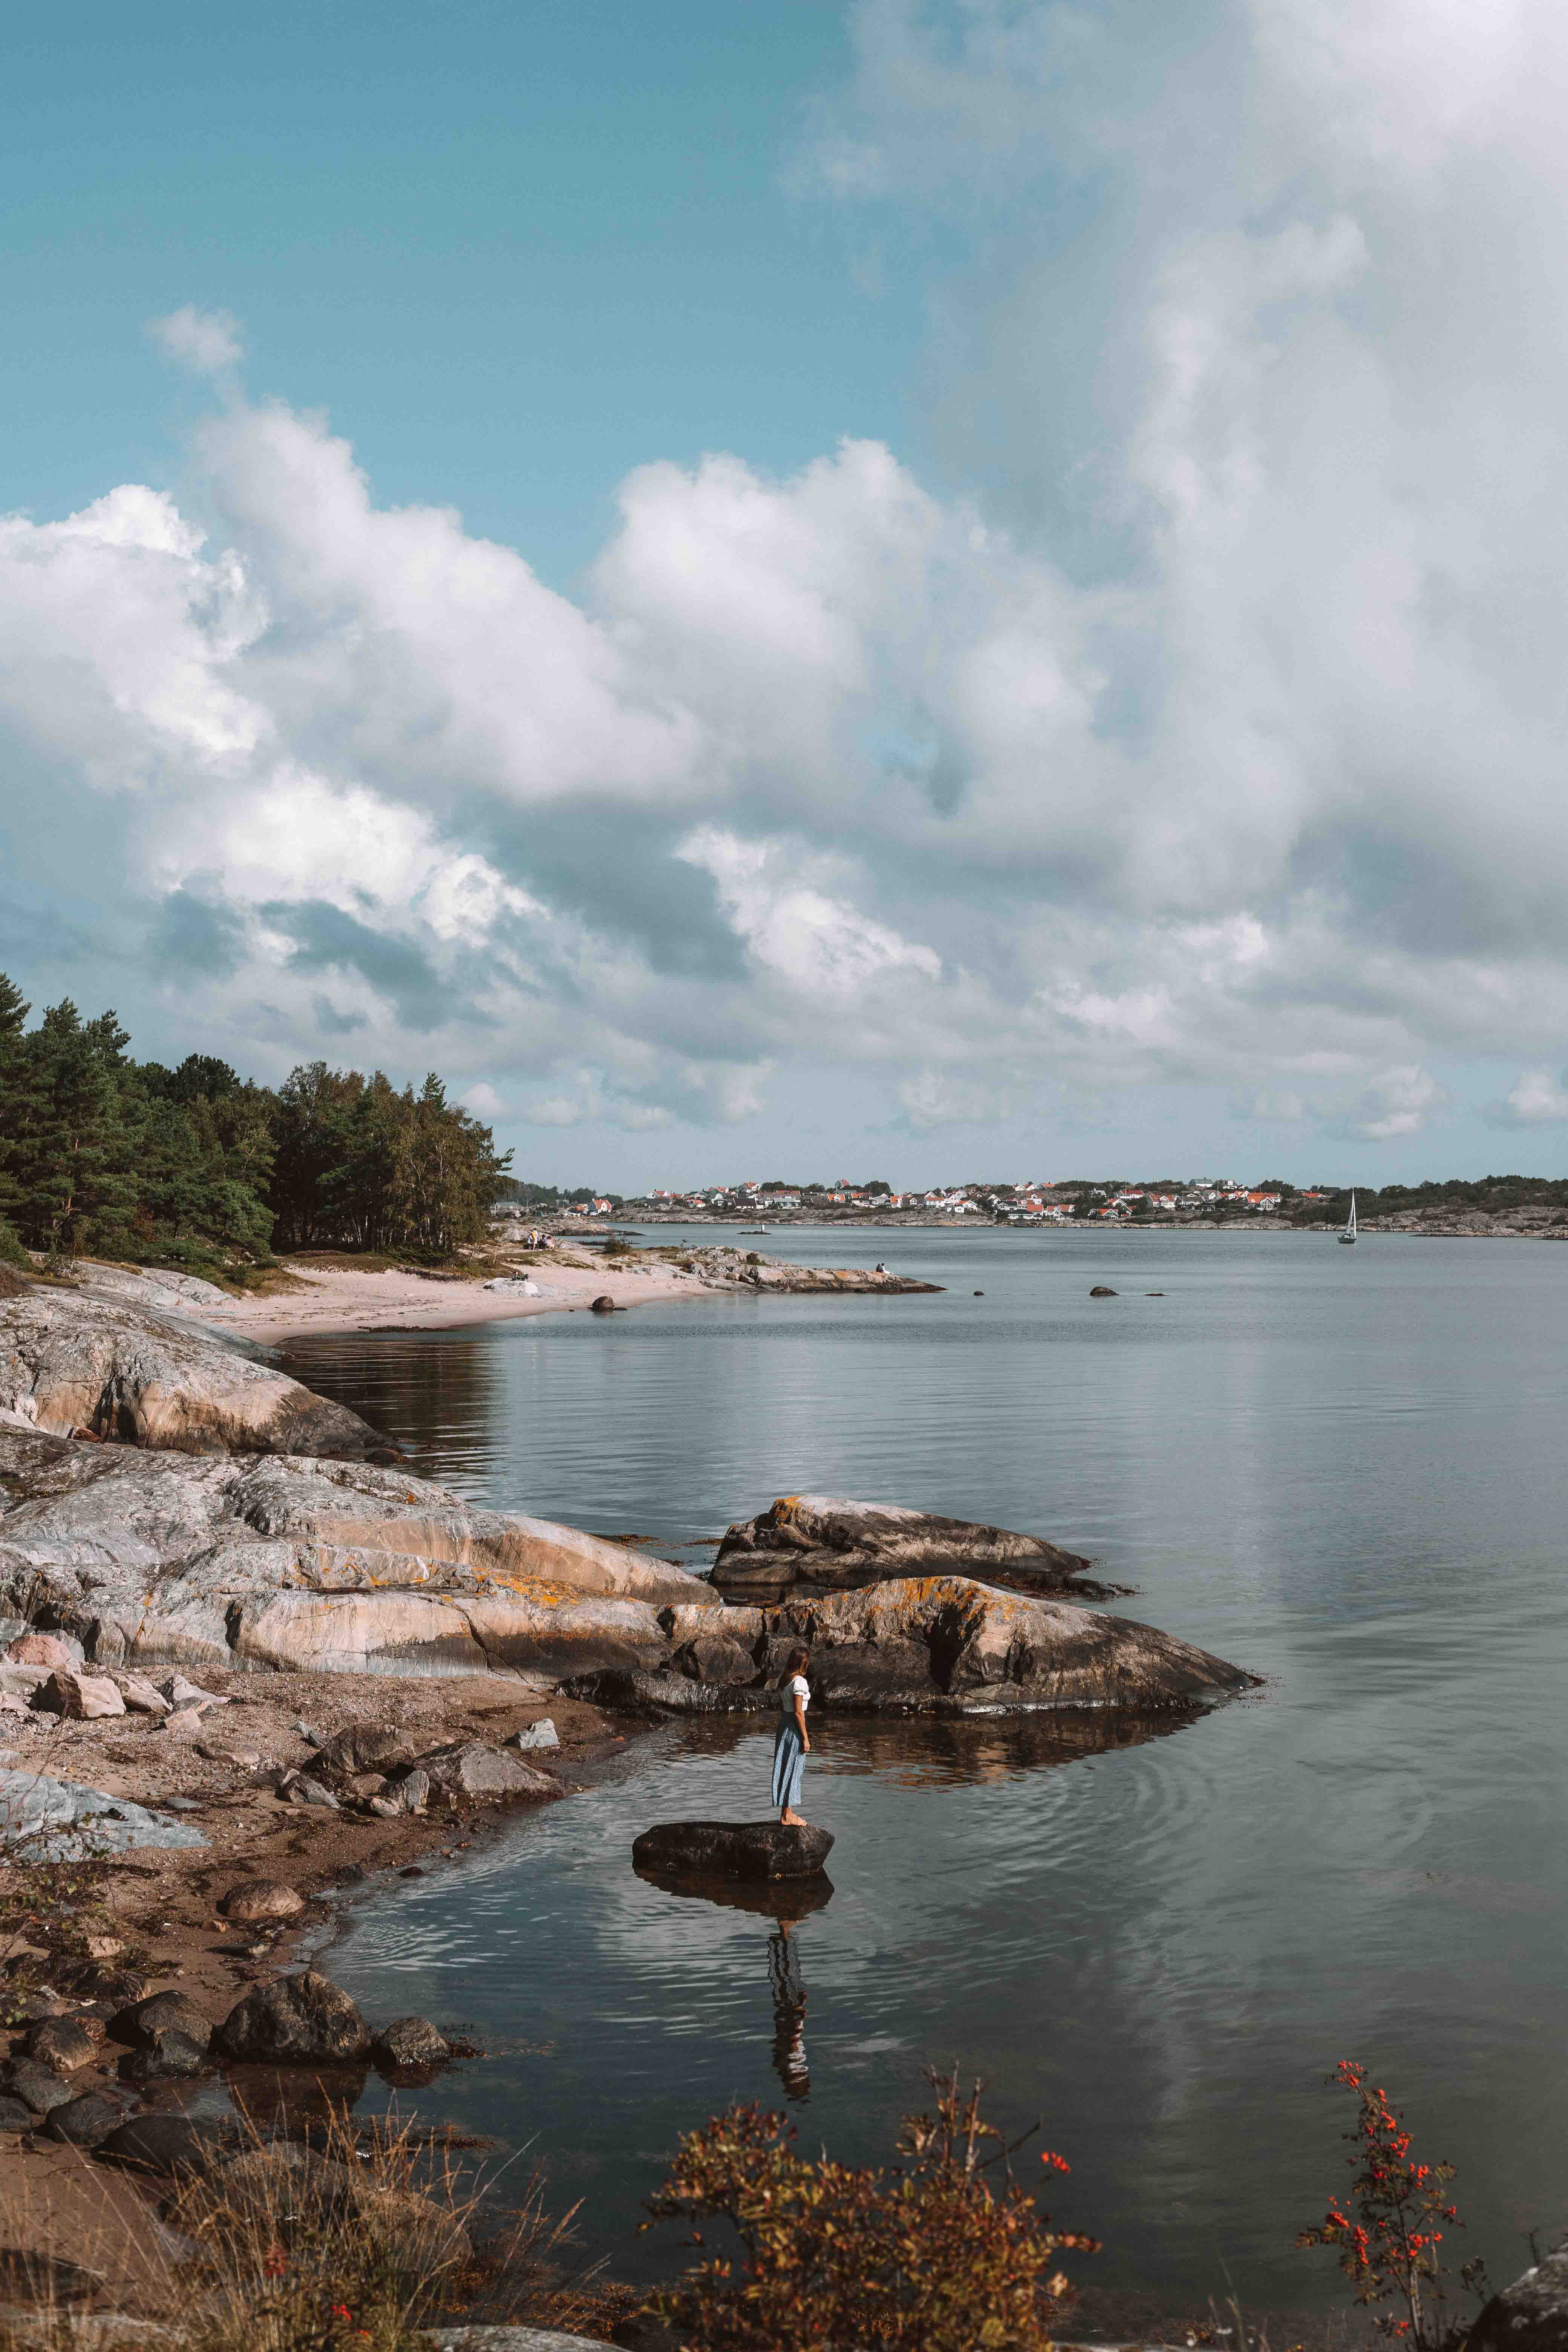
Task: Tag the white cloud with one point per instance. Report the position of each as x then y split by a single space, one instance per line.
1534 1100
207 342
1215 741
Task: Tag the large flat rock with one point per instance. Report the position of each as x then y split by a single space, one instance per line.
73 1360
733 1850
830 1543
46 1820
946 1644
275 1560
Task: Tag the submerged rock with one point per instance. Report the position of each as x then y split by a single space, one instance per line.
733 1849
835 1544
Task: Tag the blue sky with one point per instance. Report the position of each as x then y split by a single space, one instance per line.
937 585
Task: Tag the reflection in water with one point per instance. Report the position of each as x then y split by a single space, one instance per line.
789 2012
787 1901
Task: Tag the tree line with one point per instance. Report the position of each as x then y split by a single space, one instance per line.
196 1167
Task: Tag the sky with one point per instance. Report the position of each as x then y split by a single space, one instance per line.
924 588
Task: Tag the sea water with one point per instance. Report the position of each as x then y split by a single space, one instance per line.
1343 1469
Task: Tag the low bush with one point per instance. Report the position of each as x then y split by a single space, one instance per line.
924 2256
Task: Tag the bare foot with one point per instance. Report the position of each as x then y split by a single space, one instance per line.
789 1821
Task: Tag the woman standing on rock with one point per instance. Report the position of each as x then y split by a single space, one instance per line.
792 1742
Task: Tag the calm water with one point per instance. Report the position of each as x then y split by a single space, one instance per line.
1343 1469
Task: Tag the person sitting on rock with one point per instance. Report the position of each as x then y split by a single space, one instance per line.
792 1742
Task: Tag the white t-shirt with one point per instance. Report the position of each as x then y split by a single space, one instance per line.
796 1687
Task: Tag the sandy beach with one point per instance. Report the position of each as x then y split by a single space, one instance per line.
335 1299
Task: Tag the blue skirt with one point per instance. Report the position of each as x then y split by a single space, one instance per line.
789 1763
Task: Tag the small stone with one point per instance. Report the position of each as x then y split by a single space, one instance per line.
16 2115
309 1733
542 1734
243 1760
84 2122
46 1649
303 1790
180 1692
410 2041
167 2058
185 1723
161 2014
141 1696
39 2086
603 1305
182 1804
385 1809
1102 1290
84 1699
103 1947
413 1793
255 1900
62 2044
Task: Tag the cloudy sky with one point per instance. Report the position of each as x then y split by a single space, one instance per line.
922 587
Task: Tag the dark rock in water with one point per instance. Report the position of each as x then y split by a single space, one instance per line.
296 2021
167 2058
410 2041
980 1294
168 2144
1103 1290
823 1541
603 1305
16 2115
733 1849
84 2122
1531 2315
38 2087
162 2012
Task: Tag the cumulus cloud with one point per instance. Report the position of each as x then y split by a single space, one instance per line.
1212 740
1534 1100
206 341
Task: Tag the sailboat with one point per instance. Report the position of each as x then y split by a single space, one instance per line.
1349 1232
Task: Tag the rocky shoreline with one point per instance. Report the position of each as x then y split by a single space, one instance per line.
243 1641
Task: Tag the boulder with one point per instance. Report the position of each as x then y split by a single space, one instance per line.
1531 2315
45 1819
298 2021
476 1774
828 1544
300 1788
86 2121
121 1369
1102 1290
141 1696
948 1645
539 1734
211 1562
82 1697
162 2012
413 1792
410 2041
259 1901
603 1305
733 1850
46 1649
16 2115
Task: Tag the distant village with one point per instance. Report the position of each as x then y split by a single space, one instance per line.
1028 1203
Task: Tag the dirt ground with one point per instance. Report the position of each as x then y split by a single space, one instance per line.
162 1904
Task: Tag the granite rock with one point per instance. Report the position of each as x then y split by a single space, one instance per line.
300 2020
732 1849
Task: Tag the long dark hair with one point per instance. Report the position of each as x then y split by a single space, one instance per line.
797 1660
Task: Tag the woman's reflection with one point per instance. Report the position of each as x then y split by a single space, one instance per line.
788 1988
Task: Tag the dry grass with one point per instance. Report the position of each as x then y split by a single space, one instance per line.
358 2240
